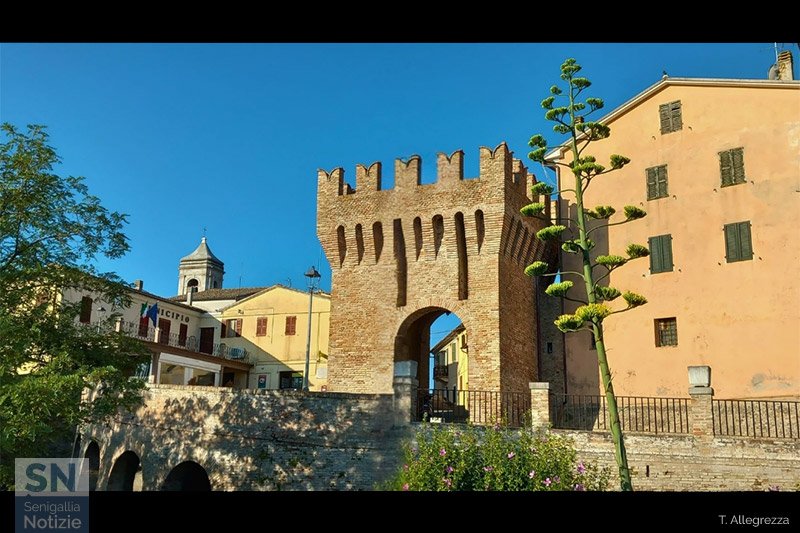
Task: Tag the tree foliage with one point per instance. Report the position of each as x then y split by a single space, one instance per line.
51 231
573 118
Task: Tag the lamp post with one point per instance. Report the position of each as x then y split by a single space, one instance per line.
313 279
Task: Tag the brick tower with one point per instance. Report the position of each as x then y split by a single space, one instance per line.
402 257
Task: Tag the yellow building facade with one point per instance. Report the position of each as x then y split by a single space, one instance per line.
716 165
272 327
451 361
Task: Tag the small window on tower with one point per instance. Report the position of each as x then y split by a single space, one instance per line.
192 285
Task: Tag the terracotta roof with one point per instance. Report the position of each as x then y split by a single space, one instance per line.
220 294
202 253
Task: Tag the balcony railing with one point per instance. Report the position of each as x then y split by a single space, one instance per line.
441 371
189 342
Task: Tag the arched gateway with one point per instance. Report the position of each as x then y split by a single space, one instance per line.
402 257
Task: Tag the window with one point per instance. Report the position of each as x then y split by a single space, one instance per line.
233 327
656 182
670 115
165 326
183 333
738 242
291 380
660 253
666 331
549 347
261 326
291 325
192 285
731 166
144 326
86 310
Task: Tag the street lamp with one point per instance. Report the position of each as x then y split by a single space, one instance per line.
313 280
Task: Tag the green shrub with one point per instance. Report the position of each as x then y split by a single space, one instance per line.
469 458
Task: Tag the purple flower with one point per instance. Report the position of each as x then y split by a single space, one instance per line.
405 487
581 468
447 482
531 474
488 468
511 455
547 482
579 487
442 452
556 479
449 469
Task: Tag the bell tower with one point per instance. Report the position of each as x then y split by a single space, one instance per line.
200 270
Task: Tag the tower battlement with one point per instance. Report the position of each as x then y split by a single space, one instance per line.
497 165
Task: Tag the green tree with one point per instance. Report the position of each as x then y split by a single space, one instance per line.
571 119
51 231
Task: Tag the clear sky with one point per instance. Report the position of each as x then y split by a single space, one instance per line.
230 136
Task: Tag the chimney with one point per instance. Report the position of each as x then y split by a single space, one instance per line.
138 284
190 296
785 66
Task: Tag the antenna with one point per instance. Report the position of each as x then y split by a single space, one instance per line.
204 228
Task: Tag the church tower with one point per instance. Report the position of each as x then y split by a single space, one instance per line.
200 270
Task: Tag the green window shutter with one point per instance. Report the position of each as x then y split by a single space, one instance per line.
664 115
666 253
661 181
726 168
660 253
737 162
675 116
655 254
745 242
652 183
732 242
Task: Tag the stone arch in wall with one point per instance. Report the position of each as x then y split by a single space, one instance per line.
187 476
92 453
126 474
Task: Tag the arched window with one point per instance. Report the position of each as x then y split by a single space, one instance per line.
192 285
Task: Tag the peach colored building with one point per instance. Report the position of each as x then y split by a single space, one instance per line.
716 165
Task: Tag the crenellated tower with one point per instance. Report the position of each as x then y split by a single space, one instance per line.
402 257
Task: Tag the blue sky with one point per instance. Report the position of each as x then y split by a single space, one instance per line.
230 136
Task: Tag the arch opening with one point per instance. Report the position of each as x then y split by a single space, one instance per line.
126 473
187 476
436 339
93 455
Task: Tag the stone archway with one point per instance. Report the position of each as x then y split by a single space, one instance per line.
126 473
92 453
187 476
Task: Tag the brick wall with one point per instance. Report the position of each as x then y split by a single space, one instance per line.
688 463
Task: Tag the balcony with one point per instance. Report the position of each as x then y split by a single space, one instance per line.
188 343
441 371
